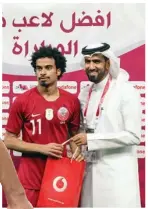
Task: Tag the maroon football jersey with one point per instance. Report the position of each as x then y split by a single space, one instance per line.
41 122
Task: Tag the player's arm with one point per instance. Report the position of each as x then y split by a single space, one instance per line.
13 141
14 192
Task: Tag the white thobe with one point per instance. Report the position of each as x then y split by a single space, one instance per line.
112 180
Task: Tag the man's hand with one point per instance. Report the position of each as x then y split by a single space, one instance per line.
76 151
52 149
79 158
80 139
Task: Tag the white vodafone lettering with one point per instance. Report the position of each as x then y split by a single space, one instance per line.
56 181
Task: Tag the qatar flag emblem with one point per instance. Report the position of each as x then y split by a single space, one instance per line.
63 114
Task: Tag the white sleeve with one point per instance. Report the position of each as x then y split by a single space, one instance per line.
131 113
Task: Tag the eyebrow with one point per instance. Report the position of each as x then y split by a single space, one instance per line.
95 59
44 66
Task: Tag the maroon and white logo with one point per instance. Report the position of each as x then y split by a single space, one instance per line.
63 113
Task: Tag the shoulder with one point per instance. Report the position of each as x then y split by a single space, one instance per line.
68 95
129 92
128 88
84 93
70 99
24 97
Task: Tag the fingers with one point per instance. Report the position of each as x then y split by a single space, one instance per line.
56 151
80 158
67 141
79 143
55 155
55 146
77 140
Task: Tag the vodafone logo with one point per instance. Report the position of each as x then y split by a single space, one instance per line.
70 86
60 184
139 85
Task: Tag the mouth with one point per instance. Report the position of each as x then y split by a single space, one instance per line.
93 73
43 79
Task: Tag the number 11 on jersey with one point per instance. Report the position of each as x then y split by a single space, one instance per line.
36 127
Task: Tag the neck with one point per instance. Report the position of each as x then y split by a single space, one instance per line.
50 90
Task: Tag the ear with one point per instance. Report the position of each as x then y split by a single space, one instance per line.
58 72
107 64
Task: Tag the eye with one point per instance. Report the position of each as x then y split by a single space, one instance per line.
38 68
97 61
48 67
87 61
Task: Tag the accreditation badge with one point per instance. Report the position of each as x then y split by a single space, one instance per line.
49 114
90 130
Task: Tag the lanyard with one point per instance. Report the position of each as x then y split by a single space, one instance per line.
106 88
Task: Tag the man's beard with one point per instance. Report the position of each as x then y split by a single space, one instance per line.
44 84
96 78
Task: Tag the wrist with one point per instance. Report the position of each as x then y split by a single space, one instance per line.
38 148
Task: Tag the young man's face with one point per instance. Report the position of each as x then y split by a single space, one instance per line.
96 67
46 71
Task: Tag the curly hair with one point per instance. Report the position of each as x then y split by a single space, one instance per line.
48 51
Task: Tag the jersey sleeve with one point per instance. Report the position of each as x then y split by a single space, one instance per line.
74 124
15 119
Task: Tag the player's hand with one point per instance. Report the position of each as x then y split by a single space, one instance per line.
52 149
20 204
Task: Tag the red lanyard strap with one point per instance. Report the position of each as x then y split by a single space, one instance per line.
106 88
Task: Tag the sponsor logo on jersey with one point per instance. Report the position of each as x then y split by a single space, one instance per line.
35 115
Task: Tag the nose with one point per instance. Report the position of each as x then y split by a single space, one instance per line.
91 66
43 71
